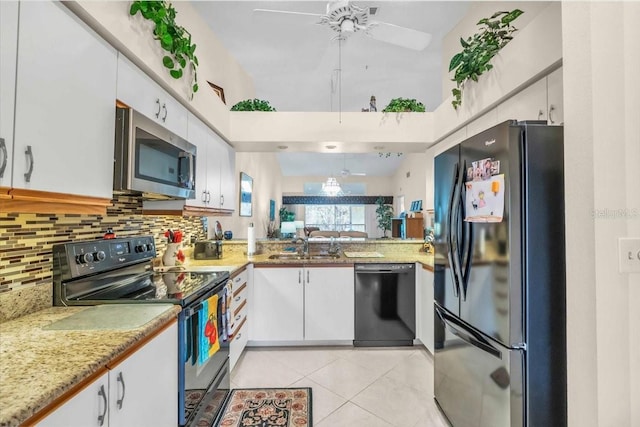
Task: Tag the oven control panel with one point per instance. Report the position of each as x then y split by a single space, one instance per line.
73 260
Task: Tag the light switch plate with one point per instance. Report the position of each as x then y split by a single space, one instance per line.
629 254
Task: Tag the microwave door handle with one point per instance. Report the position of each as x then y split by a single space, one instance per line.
191 179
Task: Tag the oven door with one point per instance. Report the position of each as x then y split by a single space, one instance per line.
204 354
151 159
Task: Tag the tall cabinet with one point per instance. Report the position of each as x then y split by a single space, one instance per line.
9 43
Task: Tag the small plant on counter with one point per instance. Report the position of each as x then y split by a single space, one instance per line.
479 49
384 213
253 105
173 38
401 105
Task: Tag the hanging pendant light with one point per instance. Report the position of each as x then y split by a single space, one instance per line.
331 187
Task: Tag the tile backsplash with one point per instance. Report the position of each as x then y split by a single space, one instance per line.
26 240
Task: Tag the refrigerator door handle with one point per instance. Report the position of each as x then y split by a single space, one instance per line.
467 239
450 229
454 224
467 335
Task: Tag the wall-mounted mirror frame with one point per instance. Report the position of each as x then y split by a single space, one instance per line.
246 194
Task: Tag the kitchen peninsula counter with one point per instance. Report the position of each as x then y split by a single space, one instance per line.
393 251
39 366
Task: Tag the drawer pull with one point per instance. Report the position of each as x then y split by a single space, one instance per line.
238 336
237 299
238 279
238 317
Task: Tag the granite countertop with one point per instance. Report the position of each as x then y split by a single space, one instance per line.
38 365
234 261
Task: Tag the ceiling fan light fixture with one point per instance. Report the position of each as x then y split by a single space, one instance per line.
347 26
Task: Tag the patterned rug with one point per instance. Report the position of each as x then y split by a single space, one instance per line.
268 407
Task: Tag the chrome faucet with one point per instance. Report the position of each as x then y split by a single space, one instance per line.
305 245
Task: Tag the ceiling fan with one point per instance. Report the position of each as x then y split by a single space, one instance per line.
346 172
345 19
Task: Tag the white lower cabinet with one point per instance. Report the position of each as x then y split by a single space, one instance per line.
425 307
329 303
303 304
140 390
87 408
278 304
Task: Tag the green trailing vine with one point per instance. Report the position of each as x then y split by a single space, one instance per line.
253 105
399 105
173 38
478 50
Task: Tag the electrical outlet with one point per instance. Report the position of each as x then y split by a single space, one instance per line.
629 254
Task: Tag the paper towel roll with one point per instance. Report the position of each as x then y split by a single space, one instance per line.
251 240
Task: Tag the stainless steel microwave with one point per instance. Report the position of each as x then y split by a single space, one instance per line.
150 159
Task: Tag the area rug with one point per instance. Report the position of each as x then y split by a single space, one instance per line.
267 407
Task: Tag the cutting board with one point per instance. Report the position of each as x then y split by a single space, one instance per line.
109 316
363 255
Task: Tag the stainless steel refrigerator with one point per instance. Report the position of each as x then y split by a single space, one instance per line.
499 287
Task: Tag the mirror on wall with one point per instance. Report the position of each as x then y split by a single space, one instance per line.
246 196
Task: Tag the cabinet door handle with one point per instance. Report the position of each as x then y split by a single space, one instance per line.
540 114
221 199
238 336
121 380
164 107
237 279
551 109
237 299
307 276
3 147
102 417
237 317
299 276
159 108
29 154
208 196
204 197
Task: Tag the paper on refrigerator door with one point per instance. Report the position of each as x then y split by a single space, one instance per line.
484 201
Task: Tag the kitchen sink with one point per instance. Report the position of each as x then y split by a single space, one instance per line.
287 257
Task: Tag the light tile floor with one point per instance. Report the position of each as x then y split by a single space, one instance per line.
354 387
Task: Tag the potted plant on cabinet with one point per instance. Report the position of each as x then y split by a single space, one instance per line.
478 50
401 105
253 105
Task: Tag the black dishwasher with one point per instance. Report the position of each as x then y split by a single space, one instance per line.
385 305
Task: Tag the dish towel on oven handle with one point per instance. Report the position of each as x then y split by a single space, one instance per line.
209 340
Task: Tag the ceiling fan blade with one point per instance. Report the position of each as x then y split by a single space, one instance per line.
400 36
298 17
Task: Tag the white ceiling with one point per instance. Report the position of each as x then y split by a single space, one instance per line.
315 164
292 62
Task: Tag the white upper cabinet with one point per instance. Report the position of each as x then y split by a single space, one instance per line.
215 172
64 112
555 110
9 43
528 104
226 157
141 93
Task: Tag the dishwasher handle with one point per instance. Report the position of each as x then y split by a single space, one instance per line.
384 268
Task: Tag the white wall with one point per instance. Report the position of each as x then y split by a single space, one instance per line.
411 187
601 44
267 178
